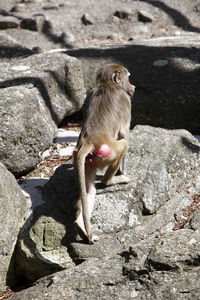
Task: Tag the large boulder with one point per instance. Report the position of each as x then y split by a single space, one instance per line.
163 166
36 93
160 163
13 209
166 74
162 268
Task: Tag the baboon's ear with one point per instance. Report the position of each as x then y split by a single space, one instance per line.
117 77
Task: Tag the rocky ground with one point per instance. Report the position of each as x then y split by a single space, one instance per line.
50 24
90 23
44 25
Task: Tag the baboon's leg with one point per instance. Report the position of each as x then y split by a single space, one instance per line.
118 152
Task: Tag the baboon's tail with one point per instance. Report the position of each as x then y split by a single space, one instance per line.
81 156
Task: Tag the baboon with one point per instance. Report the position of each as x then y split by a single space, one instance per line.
103 140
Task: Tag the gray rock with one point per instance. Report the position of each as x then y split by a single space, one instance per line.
4 12
37 50
42 25
194 221
40 250
176 250
81 282
113 36
124 13
67 37
35 1
197 8
51 5
158 164
13 208
145 16
29 23
27 127
46 236
167 160
61 3
157 100
142 271
8 22
19 7
35 95
87 19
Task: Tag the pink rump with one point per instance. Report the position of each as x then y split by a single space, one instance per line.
103 150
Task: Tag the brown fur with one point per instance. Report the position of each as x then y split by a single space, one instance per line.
107 122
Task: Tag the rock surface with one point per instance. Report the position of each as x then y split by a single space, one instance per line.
164 170
36 94
13 209
161 67
163 268
10 48
170 18
8 22
138 255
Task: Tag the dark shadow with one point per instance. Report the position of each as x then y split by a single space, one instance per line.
128 254
14 52
5 13
57 199
47 30
166 96
191 146
39 84
71 139
60 196
179 19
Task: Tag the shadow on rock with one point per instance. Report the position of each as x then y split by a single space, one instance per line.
44 242
179 19
47 30
165 72
39 84
14 52
190 145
